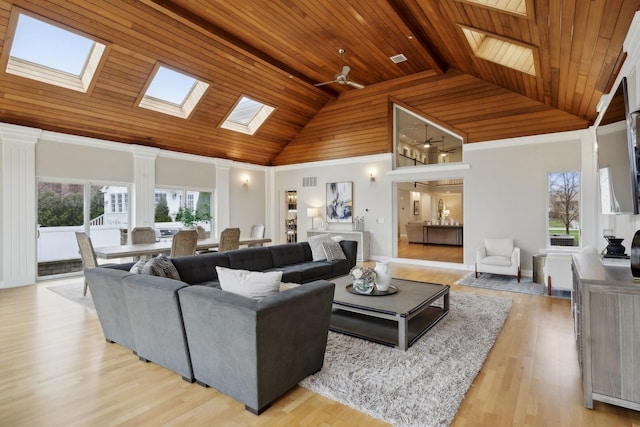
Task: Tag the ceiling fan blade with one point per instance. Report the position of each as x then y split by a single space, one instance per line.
356 85
324 83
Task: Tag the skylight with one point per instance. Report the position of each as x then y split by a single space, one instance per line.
501 51
517 7
172 92
51 54
247 116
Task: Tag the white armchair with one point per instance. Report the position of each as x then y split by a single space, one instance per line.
498 256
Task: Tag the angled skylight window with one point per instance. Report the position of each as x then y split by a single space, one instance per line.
501 51
516 7
247 116
172 92
54 55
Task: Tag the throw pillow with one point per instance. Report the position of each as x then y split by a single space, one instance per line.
138 266
161 266
284 286
315 242
252 284
337 238
333 251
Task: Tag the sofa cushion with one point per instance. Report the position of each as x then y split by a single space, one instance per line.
287 254
500 261
315 242
251 284
196 269
333 251
498 247
161 266
254 259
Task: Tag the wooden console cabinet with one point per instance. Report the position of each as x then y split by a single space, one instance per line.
606 308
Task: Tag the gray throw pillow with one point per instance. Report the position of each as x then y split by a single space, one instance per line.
161 266
333 251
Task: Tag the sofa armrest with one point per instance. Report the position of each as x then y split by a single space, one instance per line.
515 257
350 249
481 253
256 350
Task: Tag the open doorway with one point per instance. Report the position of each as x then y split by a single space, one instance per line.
430 225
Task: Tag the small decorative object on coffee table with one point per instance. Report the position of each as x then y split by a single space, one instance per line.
363 279
383 277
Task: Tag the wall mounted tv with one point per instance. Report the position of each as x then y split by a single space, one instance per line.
618 156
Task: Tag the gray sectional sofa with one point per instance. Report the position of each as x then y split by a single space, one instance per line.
252 350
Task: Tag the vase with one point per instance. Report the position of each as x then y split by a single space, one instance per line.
383 277
363 287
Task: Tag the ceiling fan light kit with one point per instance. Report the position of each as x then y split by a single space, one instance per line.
341 77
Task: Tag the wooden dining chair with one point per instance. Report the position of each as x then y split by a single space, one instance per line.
142 235
229 239
87 254
184 243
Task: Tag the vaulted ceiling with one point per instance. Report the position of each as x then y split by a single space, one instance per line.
276 51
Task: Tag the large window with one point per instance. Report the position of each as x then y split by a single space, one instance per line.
564 208
176 208
64 208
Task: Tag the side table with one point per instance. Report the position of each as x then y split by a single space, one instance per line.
538 268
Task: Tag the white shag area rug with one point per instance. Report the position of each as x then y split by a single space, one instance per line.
423 386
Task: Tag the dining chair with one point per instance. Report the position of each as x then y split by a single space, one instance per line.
229 239
184 243
202 233
142 235
87 255
257 232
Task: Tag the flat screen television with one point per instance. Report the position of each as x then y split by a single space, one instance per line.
618 156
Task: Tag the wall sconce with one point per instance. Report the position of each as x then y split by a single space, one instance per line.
372 175
313 213
245 182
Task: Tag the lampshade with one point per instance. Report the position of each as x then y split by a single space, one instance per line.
312 212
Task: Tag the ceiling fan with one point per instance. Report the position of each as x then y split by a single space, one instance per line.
341 77
429 142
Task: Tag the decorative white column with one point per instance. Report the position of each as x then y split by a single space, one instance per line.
18 201
142 199
222 198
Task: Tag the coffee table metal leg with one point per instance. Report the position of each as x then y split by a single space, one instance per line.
403 332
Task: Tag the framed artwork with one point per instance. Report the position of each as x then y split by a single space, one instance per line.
416 207
340 201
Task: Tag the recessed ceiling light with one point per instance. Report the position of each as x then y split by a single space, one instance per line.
410 37
398 58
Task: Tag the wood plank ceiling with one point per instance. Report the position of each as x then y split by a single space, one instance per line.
275 51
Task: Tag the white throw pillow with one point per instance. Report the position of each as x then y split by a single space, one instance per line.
252 284
315 242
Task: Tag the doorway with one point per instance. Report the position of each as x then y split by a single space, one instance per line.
430 220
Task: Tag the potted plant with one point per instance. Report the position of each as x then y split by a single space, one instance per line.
191 218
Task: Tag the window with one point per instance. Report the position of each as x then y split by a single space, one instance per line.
419 142
500 50
172 92
247 116
52 54
172 214
64 208
564 208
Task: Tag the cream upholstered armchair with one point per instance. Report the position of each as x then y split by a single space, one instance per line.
498 256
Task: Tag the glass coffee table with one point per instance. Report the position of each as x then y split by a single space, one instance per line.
397 320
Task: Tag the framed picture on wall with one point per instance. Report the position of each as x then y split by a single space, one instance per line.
339 201
416 207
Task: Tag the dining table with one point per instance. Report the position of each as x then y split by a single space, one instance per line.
163 247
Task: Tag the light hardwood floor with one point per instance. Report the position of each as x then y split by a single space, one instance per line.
442 253
57 370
